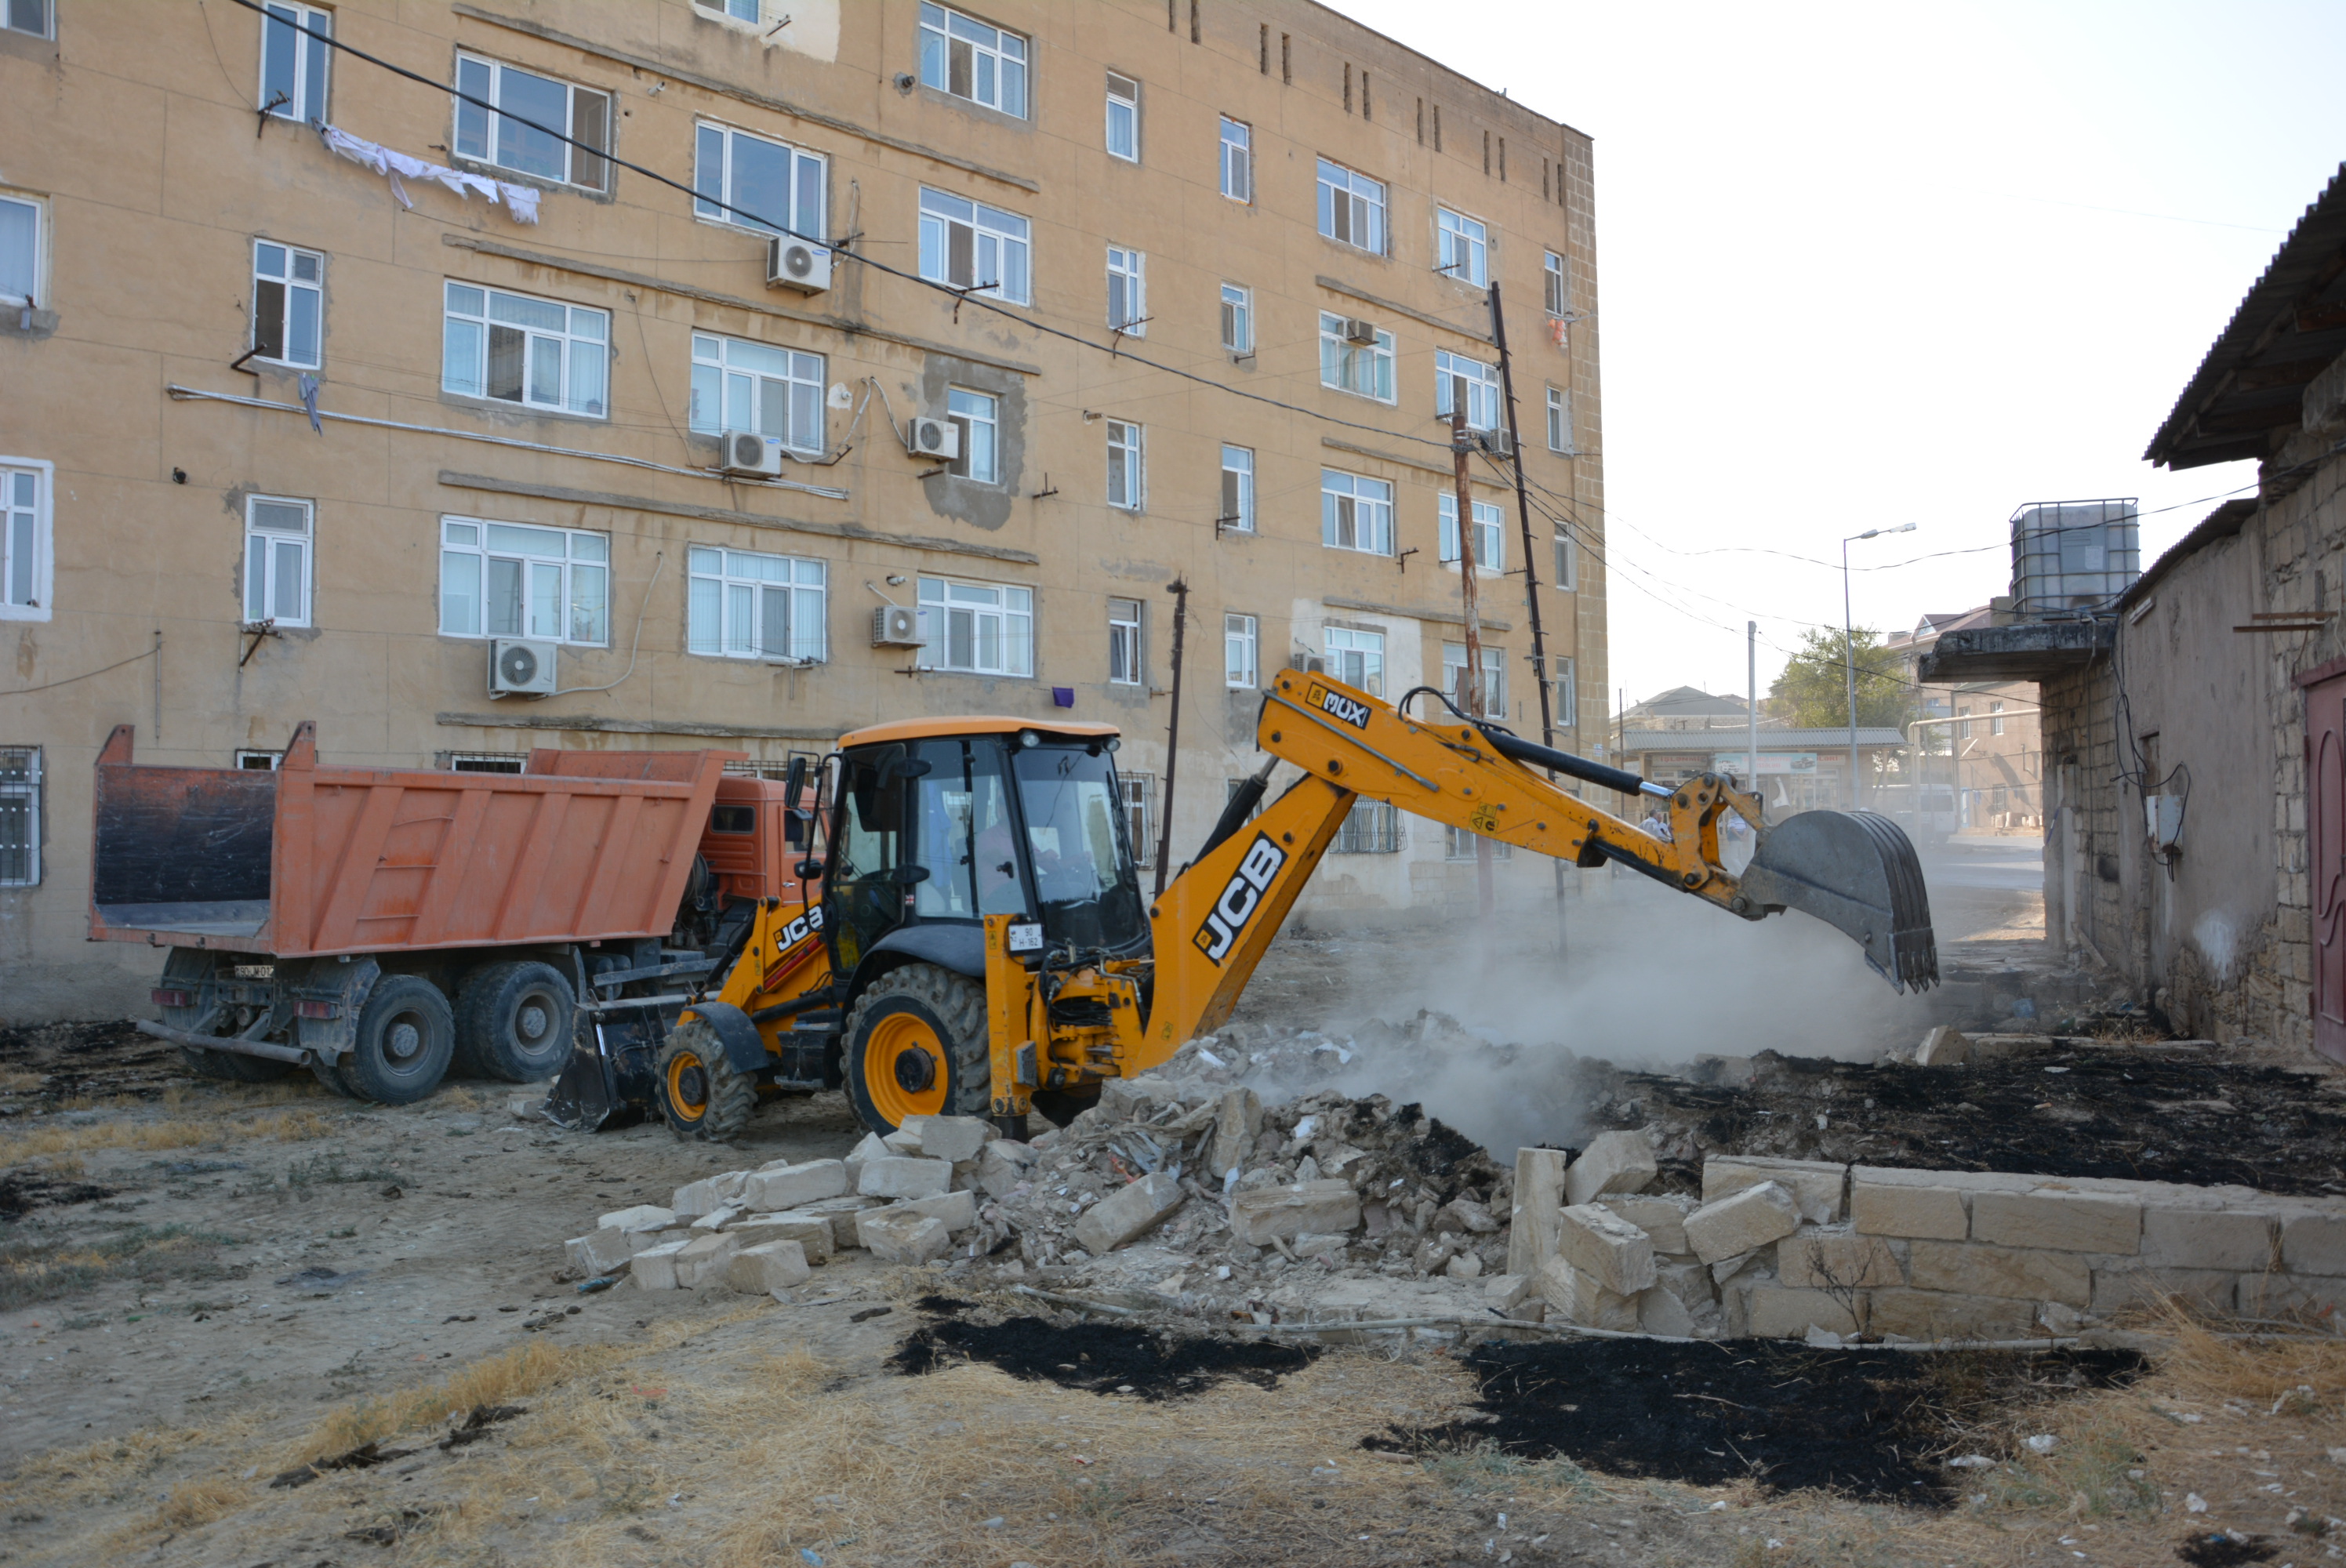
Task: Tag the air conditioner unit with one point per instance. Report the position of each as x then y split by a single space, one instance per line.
1307 664
899 626
1496 443
937 438
752 454
1356 331
520 668
796 264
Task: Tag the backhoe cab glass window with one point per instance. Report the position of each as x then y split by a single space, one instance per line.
963 833
862 880
1083 870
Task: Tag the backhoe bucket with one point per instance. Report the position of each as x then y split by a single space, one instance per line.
1856 870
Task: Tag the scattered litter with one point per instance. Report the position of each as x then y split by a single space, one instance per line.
1967 1462
2044 1442
2194 1503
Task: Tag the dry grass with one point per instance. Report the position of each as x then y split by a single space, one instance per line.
525 1371
170 1133
13 1082
194 1502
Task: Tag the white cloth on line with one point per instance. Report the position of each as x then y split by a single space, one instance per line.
520 200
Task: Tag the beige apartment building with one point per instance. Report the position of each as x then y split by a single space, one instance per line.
465 399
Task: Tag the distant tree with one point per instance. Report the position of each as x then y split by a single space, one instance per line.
1813 692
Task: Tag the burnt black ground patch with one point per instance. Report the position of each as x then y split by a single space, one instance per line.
2219 1550
23 1191
1104 1358
1869 1424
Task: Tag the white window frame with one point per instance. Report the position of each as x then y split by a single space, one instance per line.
1241 651
1355 656
1138 791
1236 515
979 414
1462 247
996 236
1458 844
1368 519
715 159
270 552
1494 681
20 797
290 288
751 11
35 277
1995 719
282 27
729 595
1238 320
1002 63
582 566
1127 481
1490 533
27 566
734 377
1557 283
1352 208
1559 420
1007 607
1343 363
1128 292
483 139
1238 160
1482 388
570 343
13 9
1568 694
1124 656
1123 118
1567 563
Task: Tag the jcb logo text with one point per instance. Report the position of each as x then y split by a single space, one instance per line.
1241 896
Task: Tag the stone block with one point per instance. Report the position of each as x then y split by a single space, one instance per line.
1943 1047
1505 1292
1935 1213
1663 1219
902 1176
903 1142
1328 1243
2020 1273
1577 1298
1539 1198
868 1147
1122 1099
1944 1315
1775 1312
654 1268
2242 1240
1258 1216
841 1214
1659 1311
957 1209
720 1218
2318 1295
1690 1283
1465 1266
2313 1244
643 1217
1003 1164
1463 1217
777 1189
2212 1290
1613 1162
1607 1247
2065 1220
810 1231
606 1251
949 1137
1749 1220
1836 1260
898 1235
1135 1209
1238 1122
1815 1184
706 1195
703 1259
767 1268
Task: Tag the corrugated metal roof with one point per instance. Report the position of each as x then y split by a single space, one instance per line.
1770 739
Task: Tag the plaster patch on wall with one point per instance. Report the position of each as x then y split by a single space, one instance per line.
2217 936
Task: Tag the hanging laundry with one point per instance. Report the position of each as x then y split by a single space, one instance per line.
520 200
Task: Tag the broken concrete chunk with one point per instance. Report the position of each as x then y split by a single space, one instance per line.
898 1235
1285 1212
1660 1311
841 1214
1505 1292
720 1218
706 1195
957 1209
810 1231
1003 1164
1749 1220
1463 1265
1238 1122
1661 1218
1122 1099
1134 1210
868 1147
900 1175
777 1189
1613 1162
1943 1047
903 1141
1815 1184
1465 1217
948 1137
767 1268
1319 1244
702 1260
1539 1195
654 1268
607 1251
1578 1298
1607 1247
1691 1283
643 1217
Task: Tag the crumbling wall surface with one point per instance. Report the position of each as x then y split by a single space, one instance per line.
2083 904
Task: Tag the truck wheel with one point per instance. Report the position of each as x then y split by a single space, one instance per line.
512 1022
916 1046
701 1092
406 1034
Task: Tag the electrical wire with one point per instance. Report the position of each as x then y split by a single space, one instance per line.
29 690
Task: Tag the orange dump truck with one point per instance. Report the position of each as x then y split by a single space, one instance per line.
380 926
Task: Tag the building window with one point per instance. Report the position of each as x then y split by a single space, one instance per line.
1242 649
1567 563
1568 695
1480 383
277 561
1238 490
963 57
1995 719
20 250
739 385
1351 207
1458 844
1462 247
748 180
1356 357
1559 420
1139 798
748 606
25 16
24 566
1128 292
981 628
516 349
293 59
1963 725
1493 687
250 761
739 10
1238 319
287 303
1356 657
514 580
1355 513
20 816
1490 533
1123 118
1553 272
1238 159
1370 828
501 138
979 416
968 245
1123 465
485 761
1123 666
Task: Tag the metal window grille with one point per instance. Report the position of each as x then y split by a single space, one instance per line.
20 816
1371 827
1458 844
484 762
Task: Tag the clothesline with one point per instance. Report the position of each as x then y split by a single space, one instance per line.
520 200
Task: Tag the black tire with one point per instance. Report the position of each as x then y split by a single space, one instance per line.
514 1022
953 1009
331 1079
406 1034
702 1094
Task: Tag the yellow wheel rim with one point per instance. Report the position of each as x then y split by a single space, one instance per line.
688 1087
904 1068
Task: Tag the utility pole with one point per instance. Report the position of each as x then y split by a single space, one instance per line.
1752 706
1179 589
1849 650
1471 698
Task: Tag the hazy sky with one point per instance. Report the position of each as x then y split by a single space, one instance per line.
1865 265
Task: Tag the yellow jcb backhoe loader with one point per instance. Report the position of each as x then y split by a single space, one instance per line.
980 945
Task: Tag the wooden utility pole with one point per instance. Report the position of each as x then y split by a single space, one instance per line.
1179 589
1471 697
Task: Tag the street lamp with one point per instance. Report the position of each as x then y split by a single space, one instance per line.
1848 647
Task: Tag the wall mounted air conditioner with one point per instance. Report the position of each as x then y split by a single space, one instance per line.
937 438
1308 663
1356 331
519 668
749 453
1497 442
796 264
899 626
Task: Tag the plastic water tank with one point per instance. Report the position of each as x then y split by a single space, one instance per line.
2074 557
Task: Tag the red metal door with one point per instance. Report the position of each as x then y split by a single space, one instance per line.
2325 782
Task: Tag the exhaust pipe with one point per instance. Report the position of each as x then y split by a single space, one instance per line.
1857 872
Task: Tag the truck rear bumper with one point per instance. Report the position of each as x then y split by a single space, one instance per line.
231 1043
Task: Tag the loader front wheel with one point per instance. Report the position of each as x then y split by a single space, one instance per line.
916 1046
702 1094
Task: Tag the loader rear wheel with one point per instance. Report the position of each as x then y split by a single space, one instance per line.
701 1092
916 1046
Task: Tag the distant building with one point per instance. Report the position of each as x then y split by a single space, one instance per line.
1978 757
1684 707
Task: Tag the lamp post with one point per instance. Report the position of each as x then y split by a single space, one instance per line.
1848 647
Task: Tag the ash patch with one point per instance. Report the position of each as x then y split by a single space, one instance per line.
1104 1358
1870 1425
2219 1550
23 1191
92 1060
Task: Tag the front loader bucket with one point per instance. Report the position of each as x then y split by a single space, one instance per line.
1856 870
